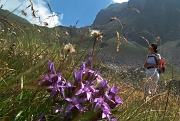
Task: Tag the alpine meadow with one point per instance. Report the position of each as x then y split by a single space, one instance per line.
92 73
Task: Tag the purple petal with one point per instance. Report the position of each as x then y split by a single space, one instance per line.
82 85
69 107
53 92
114 119
95 100
93 88
78 106
106 113
97 106
79 92
90 62
113 89
103 84
82 66
109 97
68 99
106 105
118 99
78 75
88 95
80 100
51 67
41 117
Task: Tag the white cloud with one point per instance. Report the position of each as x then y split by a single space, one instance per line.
119 1
42 11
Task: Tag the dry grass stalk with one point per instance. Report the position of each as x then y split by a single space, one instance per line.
114 18
31 2
11 24
125 39
118 35
120 23
134 9
28 6
49 7
156 40
33 14
119 43
145 40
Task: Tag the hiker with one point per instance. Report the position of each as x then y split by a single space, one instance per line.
152 64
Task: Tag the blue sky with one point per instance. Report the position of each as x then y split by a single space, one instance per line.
64 12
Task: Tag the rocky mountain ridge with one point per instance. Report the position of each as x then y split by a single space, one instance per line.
155 18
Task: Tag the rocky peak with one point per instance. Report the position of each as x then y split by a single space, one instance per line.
156 18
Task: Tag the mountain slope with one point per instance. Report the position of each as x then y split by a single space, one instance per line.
156 18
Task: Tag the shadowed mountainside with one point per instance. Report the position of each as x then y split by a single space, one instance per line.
155 18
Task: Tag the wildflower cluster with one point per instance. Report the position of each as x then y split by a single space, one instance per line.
90 97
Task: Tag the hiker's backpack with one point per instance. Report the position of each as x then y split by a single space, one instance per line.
163 67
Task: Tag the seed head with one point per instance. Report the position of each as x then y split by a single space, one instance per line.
112 19
45 23
156 39
24 13
97 34
69 47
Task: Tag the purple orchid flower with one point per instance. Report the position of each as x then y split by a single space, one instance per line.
115 100
109 98
55 89
106 113
74 102
103 84
68 88
57 82
86 95
86 89
47 78
113 90
102 88
100 104
118 100
112 95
